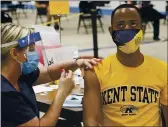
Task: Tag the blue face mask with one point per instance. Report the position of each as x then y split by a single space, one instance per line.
31 64
120 37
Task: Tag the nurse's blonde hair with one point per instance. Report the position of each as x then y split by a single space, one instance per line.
9 33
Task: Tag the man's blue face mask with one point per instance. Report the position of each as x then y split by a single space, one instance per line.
120 37
129 40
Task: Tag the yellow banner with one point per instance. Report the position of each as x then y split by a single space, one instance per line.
59 7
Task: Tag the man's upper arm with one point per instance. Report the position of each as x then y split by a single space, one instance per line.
92 99
164 102
165 113
164 92
164 95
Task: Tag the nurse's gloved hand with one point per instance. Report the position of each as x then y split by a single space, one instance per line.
89 63
66 83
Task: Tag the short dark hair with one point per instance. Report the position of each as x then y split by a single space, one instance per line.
124 6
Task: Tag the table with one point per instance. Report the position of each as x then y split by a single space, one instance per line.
73 116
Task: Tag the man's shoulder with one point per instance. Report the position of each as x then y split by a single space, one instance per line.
110 57
155 62
107 61
88 74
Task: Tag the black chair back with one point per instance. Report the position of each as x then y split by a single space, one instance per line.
42 11
5 18
85 7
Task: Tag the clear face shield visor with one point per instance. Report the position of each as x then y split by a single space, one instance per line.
28 42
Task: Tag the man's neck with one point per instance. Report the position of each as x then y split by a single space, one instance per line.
130 60
11 73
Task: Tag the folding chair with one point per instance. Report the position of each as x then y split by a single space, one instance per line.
40 13
10 8
85 8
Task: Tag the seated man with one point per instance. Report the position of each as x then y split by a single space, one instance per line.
148 13
127 88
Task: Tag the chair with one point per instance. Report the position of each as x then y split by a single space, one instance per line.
85 8
40 13
8 7
22 6
5 18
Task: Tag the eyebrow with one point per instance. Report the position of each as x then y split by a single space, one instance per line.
120 21
133 20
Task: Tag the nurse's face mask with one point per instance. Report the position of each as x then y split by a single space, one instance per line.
31 55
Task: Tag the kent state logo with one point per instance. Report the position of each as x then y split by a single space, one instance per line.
138 40
128 110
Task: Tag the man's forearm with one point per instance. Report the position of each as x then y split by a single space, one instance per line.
52 115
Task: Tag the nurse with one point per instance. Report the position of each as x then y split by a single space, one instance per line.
19 72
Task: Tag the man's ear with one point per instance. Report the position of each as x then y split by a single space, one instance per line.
110 30
13 53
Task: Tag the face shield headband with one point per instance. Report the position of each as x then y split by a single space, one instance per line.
25 41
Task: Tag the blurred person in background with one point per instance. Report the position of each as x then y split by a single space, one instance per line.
166 12
127 88
20 71
149 14
43 7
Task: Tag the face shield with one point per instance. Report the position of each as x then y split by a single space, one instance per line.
51 51
50 40
30 53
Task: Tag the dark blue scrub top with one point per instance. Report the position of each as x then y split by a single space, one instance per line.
18 107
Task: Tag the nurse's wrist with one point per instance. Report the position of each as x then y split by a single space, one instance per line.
76 61
62 93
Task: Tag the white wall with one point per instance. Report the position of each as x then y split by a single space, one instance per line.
159 5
